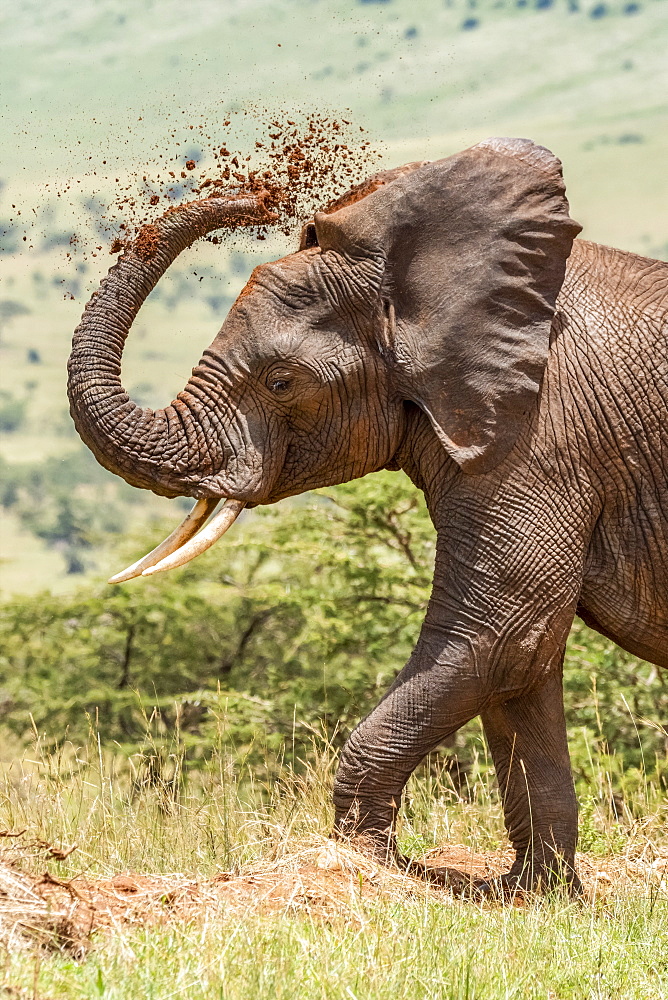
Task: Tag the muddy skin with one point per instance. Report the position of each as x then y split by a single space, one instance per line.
444 320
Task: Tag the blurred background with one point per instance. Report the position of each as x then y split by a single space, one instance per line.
304 620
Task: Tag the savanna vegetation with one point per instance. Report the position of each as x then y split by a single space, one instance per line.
294 626
189 724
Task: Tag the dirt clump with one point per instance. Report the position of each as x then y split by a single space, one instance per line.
304 160
147 242
301 162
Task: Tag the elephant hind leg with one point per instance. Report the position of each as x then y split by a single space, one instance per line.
527 739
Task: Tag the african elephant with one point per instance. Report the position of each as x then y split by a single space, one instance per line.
440 319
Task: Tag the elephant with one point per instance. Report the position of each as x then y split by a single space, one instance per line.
441 318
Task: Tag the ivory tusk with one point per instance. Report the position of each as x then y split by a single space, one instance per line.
214 530
185 531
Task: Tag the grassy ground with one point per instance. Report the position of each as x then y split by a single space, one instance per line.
382 951
342 931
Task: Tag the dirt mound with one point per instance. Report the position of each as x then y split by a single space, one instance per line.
323 880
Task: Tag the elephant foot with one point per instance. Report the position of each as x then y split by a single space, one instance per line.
524 879
529 879
377 845
382 849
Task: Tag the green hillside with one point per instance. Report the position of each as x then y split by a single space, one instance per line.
587 77
109 81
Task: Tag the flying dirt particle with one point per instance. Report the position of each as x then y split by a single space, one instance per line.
300 164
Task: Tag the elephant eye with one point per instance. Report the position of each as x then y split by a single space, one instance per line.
279 384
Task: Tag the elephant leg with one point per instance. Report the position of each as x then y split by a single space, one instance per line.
437 691
492 645
527 739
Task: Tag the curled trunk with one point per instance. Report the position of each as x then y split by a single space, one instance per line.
162 450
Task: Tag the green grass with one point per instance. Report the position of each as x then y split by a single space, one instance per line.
420 950
420 946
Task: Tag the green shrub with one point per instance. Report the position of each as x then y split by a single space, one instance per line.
297 622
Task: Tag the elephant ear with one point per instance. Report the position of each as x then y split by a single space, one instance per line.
309 236
473 250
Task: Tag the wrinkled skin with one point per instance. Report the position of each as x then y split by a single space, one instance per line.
441 324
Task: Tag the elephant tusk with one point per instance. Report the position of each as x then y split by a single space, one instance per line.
216 528
185 531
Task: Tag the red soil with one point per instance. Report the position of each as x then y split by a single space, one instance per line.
323 881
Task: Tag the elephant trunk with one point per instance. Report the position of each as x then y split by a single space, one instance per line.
162 450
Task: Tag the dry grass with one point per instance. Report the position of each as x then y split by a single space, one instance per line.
319 877
219 846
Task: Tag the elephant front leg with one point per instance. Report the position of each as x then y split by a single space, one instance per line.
436 693
527 739
440 689
492 645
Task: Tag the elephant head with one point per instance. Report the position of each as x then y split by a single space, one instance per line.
434 284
